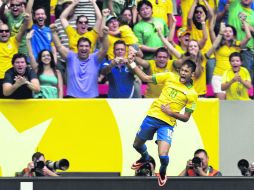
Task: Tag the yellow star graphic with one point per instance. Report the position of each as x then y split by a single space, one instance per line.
17 148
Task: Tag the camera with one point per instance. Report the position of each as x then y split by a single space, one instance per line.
62 164
147 169
38 164
196 162
244 167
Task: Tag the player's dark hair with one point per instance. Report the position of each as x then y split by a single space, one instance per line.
191 64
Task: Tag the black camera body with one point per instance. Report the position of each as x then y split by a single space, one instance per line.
196 162
62 164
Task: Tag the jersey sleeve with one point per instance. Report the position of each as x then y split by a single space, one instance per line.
161 78
192 102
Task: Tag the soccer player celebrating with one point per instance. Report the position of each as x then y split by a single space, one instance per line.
178 93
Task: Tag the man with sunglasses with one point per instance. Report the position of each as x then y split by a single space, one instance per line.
14 18
8 47
82 24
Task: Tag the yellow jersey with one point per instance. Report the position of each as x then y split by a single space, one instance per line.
222 58
7 50
200 82
161 9
174 93
186 5
197 34
237 91
127 35
74 36
154 90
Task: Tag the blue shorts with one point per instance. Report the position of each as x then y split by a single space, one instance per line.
152 125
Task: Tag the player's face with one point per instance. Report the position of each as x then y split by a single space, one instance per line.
4 33
161 59
145 12
20 65
120 50
228 34
185 74
203 158
40 17
82 25
83 50
236 63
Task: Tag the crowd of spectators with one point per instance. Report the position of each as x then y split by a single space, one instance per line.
73 46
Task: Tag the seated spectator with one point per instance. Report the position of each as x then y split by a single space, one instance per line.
236 81
50 79
199 166
81 26
20 81
121 78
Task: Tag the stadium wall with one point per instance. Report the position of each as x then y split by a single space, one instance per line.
96 135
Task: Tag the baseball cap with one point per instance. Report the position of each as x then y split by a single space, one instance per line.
182 31
109 18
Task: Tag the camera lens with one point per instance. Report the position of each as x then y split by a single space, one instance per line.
196 161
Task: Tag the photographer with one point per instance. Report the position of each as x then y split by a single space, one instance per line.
37 167
198 166
246 168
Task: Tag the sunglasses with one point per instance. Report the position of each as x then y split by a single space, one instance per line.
6 31
198 12
83 22
15 5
